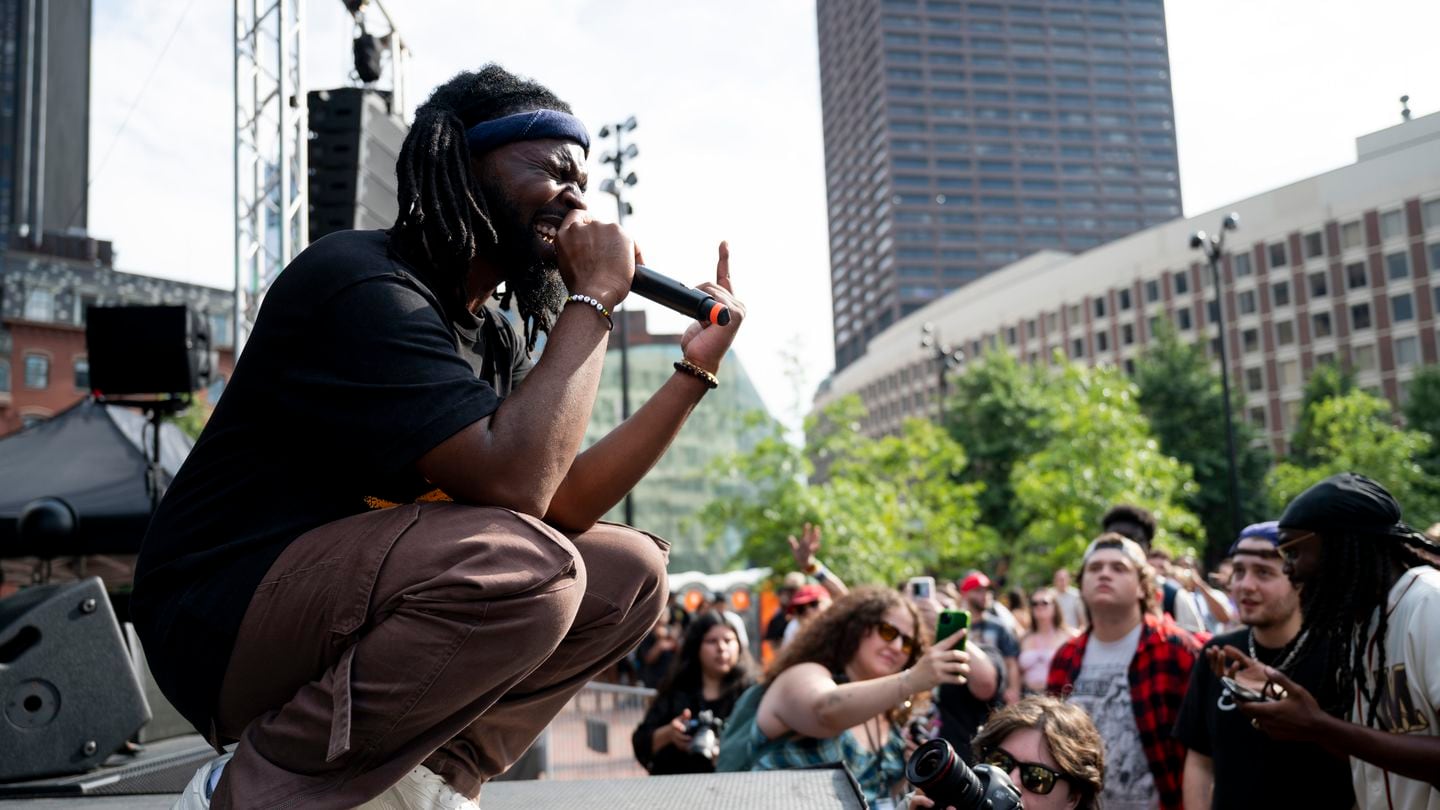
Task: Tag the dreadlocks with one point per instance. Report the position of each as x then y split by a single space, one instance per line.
1354 580
445 217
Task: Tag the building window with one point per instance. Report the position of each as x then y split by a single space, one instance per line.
1257 416
1212 310
1402 308
1392 225
1435 257
1360 316
1077 348
1152 288
1074 314
39 305
1030 329
1321 324
1397 265
1254 379
1407 352
37 371
1242 265
1011 337
1052 322
1319 285
1123 298
1280 293
4 376
1099 307
1350 236
1246 301
1314 245
1289 372
1250 339
1182 317
1325 359
1285 333
1355 275
1102 341
1277 254
1182 283
1127 334
82 373
1431 214
1364 357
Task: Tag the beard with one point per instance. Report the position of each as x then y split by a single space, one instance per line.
532 280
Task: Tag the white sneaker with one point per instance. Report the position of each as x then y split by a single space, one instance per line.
421 789
196 795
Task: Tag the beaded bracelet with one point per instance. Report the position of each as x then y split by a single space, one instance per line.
599 307
699 373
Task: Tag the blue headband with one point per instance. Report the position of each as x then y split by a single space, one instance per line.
527 126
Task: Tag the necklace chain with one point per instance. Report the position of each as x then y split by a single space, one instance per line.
1288 659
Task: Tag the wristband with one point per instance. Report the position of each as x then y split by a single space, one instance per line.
699 373
577 298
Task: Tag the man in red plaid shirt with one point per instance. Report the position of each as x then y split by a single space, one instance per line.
1129 672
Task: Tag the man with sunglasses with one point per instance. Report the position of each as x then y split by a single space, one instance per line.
1050 750
1368 586
1129 672
1228 762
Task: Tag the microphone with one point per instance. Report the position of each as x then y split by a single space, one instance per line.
670 293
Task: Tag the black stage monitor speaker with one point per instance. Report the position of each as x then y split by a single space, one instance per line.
67 688
354 142
146 350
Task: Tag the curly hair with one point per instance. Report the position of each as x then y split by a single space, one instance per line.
685 674
832 638
1141 517
1071 736
444 217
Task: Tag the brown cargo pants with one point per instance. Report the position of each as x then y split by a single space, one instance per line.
433 634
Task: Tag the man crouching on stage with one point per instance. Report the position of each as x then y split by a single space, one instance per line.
380 569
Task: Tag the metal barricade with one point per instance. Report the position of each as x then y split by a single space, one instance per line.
590 737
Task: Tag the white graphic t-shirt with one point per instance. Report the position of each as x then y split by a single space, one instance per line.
1102 689
1409 689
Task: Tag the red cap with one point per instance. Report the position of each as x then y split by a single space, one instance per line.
806 594
975 580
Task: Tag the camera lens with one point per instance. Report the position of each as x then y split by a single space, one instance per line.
937 770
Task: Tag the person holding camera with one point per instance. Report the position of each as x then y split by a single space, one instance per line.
842 690
697 695
1038 754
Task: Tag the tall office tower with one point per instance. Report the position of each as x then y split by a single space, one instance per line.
961 136
44 118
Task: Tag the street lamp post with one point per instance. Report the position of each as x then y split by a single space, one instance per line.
944 357
615 187
1213 247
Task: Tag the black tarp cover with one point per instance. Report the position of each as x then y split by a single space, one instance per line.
89 455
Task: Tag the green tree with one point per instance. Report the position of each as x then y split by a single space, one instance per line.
889 507
1325 382
1355 432
1182 397
999 411
1100 452
1422 413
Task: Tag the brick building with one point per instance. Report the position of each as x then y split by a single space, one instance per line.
961 136
43 365
1341 267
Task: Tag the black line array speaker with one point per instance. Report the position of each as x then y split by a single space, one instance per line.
354 142
67 687
146 350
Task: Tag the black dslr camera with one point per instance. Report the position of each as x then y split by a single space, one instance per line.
704 730
944 776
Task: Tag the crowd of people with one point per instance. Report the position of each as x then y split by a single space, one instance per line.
1298 674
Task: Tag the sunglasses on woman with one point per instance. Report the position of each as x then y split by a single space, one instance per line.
1041 603
889 632
1036 778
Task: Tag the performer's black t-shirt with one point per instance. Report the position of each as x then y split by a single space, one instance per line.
1251 769
354 370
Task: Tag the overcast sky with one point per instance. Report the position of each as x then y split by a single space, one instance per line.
727 98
